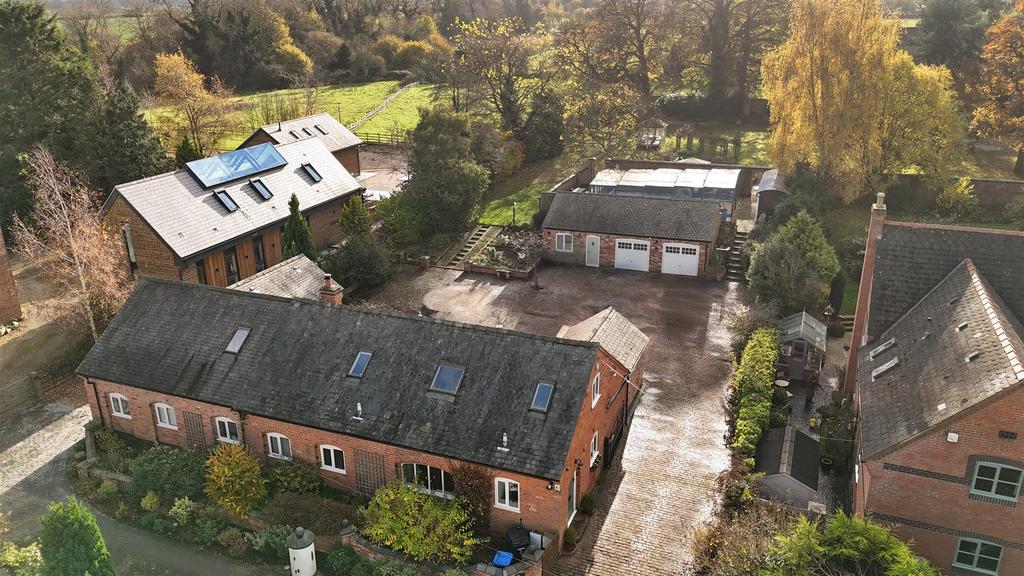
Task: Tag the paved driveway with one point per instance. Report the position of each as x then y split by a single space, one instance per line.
665 480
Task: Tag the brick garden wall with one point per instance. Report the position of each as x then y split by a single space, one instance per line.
579 249
10 307
938 474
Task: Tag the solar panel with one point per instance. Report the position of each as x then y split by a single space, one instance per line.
226 200
261 188
235 165
312 172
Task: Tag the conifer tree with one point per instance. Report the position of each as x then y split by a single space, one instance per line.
296 238
129 149
71 543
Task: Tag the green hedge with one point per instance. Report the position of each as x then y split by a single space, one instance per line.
752 384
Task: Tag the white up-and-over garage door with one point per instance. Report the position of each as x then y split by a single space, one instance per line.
682 259
633 255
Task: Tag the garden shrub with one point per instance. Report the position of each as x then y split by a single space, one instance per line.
837 429
1015 212
234 479
569 537
25 561
233 540
206 525
851 256
108 490
296 476
752 390
836 329
123 511
587 504
958 200
150 502
390 567
182 510
322 515
424 527
169 472
71 542
116 455
475 487
344 561
154 523
270 542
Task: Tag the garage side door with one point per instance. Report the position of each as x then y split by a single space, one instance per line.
681 259
633 255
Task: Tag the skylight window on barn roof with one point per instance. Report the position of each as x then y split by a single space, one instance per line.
542 397
235 165
294 134
882 347
237 340
359 366
312 173
226 200
261 188
447 379
307 131
889 365
320 129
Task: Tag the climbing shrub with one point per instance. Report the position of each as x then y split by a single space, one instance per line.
170 472
296 476
426 528
752 390
234 479
114 453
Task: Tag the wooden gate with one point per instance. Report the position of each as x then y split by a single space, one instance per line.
369 472
194 434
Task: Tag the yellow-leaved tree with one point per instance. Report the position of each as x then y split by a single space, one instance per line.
1001 86
847 100
197 112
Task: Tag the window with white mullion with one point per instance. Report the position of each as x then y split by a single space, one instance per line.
165 416
595 390
119 406
997 481
280 446
430 479
978 556
506 494
563 242
227 430
332 458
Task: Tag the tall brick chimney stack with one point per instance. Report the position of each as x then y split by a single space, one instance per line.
860 319
10 308
331 293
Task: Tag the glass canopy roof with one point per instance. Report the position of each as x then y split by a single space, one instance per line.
237 164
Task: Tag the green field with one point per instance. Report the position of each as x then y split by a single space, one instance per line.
524 188
347 103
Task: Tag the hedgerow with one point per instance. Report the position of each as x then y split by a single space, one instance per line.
752 389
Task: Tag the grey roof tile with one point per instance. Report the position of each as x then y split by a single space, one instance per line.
788 451
191 220
672 219
338 136
170 337
618 336
932 380
296 277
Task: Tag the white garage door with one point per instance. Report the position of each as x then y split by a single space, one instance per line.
682 259
632 254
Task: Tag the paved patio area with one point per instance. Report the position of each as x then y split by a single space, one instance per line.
663 482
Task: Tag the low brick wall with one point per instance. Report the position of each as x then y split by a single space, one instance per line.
503 273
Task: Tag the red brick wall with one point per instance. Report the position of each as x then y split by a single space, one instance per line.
540 508
349 158
867 275
579 249
153 257
940 504
10 307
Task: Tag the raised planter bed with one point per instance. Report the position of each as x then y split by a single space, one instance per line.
503 273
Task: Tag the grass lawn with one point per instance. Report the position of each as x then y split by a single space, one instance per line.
850 296
991 162
403 113
524 188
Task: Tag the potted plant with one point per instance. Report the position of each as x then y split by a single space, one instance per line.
569 540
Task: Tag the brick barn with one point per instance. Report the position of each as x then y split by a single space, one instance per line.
938 378
372 397
338 139
219 219
665 235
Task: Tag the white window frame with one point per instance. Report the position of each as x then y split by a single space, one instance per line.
996 481
595 448
442 493
502 489
121 408
972 568
352 369
595 390
165 416
334 459
280 455
226 439
566 241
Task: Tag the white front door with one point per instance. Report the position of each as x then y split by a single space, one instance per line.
633 254
681 259
572 498
593 251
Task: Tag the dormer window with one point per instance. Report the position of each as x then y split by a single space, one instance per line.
261 188
359 366
312 173
237 340
542 397
447 379
226 200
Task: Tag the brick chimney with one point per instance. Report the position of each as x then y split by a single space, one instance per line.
860 319
10 308
331 293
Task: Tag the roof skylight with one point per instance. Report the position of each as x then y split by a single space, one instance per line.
261 188
294 134
226 200
889 365
882 347
320 129
972 356
307 131
447 379
237 340
235 165
359 366
961 327
542 397
312 173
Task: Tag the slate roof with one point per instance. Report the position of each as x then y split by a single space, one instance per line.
791 452
170 337
190 220
618 336
634 216
911 259
296 277
338 136
932 379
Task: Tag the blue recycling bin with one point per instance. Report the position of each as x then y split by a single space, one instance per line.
502 559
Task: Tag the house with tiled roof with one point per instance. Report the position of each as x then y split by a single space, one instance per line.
218 220
296 277
336 137
370 396
937 372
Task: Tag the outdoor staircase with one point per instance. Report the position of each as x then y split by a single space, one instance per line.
474 242
847 320
734 267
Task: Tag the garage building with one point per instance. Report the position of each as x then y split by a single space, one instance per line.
665 235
